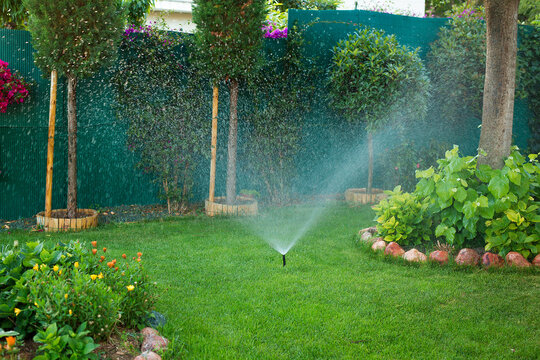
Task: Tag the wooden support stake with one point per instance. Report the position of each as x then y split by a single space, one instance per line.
214 144
50 144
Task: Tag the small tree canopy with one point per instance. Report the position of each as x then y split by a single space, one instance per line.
75 37
372 76
228 37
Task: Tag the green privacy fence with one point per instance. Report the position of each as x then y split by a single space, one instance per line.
332 150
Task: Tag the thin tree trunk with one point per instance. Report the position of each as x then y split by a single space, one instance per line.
500 81
166 188
72 147
233 134
370 166
214 144
50 145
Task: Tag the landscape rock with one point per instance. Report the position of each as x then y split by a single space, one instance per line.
516 259
148 331
372 230
439 256
414 255
378 245
148 355
467 257
366 236
394 249
536 260
491 259
154 342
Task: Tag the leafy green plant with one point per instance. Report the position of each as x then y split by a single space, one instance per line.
65 344
73 298
157 94
282 93
402 218
401 162
496 206
374 79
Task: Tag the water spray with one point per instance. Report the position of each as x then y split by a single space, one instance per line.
284 262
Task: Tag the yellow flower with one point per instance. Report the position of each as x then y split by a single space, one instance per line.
70 312
55 268
130 287
43 267
36 267
65 296
35 303
17 311
100 276
93 277
60 272
76 264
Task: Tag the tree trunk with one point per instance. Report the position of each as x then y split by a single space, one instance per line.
212 186
500 82
370 166
72 147
50 145
233 132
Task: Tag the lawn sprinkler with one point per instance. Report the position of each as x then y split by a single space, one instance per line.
284 262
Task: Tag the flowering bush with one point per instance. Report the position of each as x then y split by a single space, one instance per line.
13 89
272 32
70 285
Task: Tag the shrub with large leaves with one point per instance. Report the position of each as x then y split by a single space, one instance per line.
402 218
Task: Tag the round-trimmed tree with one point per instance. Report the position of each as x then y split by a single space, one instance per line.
75 38
228 48
375 80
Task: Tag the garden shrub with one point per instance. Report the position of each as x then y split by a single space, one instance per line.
162 109
373 80
70 285
402 161
65 344
494 207
457 66
282 93
402 218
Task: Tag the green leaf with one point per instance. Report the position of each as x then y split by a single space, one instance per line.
460 194
499 186
515 177
469 210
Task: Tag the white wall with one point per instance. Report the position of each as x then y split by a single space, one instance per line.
177 14
403 7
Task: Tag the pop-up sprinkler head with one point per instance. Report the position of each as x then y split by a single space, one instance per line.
284 262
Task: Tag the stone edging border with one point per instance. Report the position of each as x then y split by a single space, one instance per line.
465 256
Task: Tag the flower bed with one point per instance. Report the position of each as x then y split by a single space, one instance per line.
66 296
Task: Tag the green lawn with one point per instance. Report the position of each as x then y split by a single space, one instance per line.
226 295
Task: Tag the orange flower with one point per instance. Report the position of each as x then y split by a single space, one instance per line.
114 261
124 256
116 268
94 243
139 254
102 258
104 249
110 264
11 340
138 259
94 251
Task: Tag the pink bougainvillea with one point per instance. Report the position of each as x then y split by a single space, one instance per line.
13 89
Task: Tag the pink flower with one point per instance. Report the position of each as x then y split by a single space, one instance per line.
418 166
396 168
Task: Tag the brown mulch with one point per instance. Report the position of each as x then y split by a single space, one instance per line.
114 214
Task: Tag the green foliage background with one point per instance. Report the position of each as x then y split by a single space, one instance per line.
74 37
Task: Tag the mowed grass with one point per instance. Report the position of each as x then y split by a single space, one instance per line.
226 295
